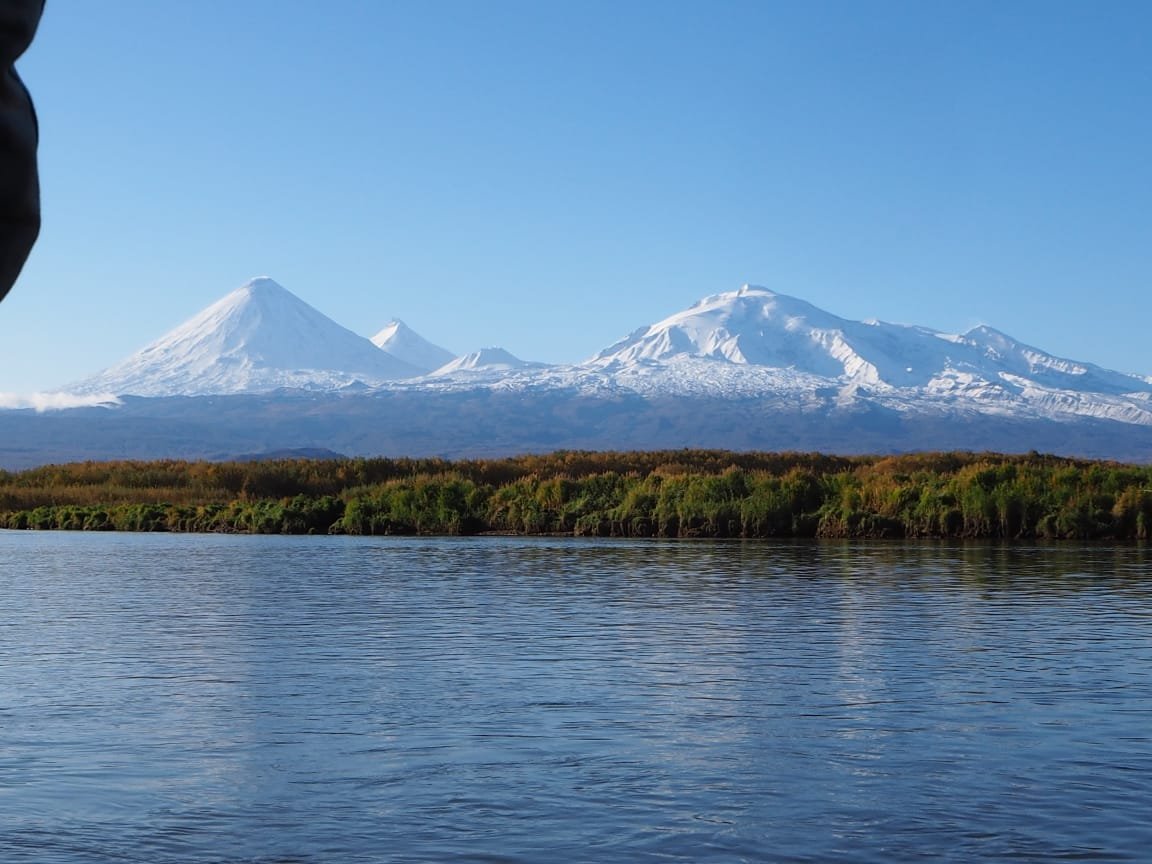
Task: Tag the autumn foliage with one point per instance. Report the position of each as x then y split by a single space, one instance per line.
683 493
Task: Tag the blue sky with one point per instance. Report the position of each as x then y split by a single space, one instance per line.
549 175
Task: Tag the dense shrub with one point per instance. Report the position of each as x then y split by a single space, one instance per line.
684 493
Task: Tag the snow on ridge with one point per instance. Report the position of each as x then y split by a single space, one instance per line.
492 359
751 326
405 344
1015 357
258 338
752 343
758 327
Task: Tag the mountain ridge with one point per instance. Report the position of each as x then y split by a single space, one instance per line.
749 368
405 344
752 326
485 360
258 338
758 327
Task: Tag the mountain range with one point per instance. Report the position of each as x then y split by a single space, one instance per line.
260 337
750 368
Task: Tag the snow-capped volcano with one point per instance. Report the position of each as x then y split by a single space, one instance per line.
486 360
747 368
260 337
758 327
405 344
749 326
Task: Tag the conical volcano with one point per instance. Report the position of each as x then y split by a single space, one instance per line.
259 338
404 343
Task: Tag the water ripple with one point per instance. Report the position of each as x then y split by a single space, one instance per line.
298 700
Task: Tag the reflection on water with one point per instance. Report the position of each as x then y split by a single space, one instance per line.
191 698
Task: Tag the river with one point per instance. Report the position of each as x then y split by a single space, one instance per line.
191 698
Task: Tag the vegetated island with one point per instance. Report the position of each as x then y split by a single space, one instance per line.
683 493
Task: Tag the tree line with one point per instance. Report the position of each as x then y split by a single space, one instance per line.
682 493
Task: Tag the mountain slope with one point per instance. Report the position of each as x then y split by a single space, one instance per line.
485 360
758 327
405 344
749 326
1010 357
258 338
748 368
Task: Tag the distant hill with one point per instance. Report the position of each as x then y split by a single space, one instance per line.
285 453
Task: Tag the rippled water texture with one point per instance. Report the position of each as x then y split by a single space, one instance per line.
249 699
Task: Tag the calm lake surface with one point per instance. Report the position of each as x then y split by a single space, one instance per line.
277 699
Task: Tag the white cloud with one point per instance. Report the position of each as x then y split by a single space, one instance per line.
55 401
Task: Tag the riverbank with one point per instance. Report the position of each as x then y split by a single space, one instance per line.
685 493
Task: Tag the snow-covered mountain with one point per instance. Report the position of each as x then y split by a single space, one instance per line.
405 344
259 338
485 360
767 358
755 326
751 326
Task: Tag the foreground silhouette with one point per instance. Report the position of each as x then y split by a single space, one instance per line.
19 135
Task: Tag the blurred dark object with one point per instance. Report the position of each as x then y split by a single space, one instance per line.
19 134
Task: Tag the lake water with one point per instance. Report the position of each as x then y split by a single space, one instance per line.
277 699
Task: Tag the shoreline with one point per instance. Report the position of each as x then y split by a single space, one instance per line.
663 494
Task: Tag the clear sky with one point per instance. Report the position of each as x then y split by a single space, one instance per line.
548 175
